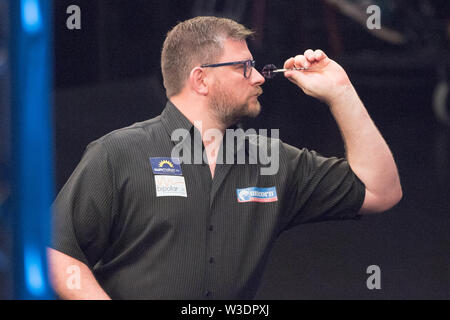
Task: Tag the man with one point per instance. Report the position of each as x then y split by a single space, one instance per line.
138 223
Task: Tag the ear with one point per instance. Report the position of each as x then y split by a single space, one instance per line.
197 81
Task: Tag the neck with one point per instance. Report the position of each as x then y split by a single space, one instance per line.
212 131
196 110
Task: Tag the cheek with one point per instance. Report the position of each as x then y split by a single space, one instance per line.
233 90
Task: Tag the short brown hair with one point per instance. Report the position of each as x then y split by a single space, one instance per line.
192 42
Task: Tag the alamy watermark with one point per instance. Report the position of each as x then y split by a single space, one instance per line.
239 147
73 22
374 280
74 279
374 20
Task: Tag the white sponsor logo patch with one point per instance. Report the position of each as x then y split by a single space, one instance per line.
255 194
167 186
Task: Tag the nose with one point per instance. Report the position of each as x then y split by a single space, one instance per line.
257 78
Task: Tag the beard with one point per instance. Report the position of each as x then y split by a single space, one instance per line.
226 108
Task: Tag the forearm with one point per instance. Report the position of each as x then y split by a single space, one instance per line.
367 152
72 279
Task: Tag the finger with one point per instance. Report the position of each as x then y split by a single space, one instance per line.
289 63
301 62
319 55
310 56
297 77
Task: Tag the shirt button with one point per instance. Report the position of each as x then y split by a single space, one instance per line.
211 260
208 293
211 228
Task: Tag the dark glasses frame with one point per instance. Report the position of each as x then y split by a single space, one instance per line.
248 65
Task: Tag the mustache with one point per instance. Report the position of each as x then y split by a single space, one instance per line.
259 91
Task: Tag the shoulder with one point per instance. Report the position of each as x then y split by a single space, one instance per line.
127 137
272 143
296 155
271 137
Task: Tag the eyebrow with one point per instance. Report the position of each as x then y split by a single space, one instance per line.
243 59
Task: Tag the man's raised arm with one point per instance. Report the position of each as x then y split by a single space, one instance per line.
367 152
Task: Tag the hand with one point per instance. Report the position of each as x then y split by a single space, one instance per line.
325 79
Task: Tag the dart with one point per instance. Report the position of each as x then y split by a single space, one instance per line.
269 71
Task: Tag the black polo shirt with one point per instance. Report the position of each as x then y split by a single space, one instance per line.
145 235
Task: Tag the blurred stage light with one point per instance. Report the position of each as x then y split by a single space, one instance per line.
31 16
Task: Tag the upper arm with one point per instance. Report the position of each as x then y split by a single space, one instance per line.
82 209
321 188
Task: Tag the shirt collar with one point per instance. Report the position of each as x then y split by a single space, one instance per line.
174 119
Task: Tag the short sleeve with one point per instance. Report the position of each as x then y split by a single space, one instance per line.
321 188
82 209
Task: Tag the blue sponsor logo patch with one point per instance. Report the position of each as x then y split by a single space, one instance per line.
254 194
167 166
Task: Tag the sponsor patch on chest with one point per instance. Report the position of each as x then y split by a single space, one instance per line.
166 166
170 186
255 194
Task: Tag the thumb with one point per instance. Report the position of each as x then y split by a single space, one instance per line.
296 76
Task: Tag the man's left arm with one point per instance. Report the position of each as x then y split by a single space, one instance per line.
367 152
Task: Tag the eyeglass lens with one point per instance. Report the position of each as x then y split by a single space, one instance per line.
248 69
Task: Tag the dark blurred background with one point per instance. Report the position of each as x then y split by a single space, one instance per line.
107 75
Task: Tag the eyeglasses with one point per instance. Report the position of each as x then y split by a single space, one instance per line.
248 66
